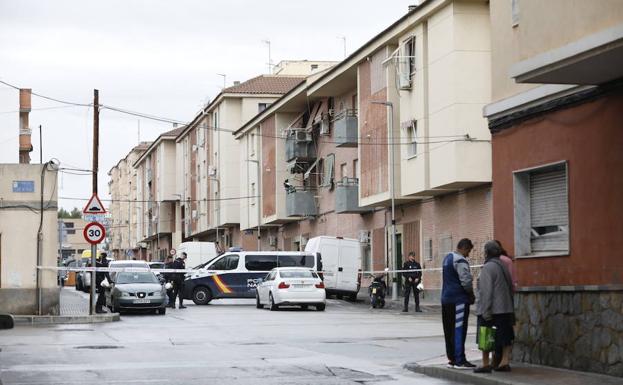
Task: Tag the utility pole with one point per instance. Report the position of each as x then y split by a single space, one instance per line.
96 143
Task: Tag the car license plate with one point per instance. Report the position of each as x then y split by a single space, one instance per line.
374 290
143 300
300 286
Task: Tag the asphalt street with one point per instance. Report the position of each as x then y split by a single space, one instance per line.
230 342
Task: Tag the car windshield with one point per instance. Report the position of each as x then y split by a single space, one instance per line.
147 277
296 274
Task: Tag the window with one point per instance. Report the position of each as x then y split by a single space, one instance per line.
229 262
252 144
262 106
541 215
356 168
428 249
343 171
295 261
260 262
406 63
327 174
367 257
297 274
412 139
69 226
445 246
514 13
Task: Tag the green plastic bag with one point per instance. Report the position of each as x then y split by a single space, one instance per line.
486 338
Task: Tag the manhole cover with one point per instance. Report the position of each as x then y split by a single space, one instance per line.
99 347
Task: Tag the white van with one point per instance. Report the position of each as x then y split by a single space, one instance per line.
197 252
341 264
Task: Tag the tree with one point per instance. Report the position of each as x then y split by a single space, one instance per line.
62 213
74 214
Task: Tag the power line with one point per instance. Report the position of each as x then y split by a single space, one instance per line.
47 97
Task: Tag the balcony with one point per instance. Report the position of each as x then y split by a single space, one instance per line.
345 127
347 197
299 146
300 203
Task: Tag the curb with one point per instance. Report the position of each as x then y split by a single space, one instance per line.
463 376
65 319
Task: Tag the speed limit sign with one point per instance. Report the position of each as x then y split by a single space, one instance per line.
94 233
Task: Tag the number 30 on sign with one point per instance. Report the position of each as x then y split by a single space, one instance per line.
94 233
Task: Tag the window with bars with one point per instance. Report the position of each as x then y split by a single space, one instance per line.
428 249
412 139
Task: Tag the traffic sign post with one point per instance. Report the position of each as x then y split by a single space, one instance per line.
94 206
94 233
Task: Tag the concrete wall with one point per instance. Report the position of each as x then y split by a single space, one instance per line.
542 26
18 241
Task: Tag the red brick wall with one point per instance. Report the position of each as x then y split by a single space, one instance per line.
372 129
590 139
269 168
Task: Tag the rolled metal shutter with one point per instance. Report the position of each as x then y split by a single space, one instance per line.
549 208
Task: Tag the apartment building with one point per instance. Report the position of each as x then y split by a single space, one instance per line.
122 208
208 178
156 198
557 70
397 119
72 242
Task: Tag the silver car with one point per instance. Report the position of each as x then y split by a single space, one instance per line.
136 291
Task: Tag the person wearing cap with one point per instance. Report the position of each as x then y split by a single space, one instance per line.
178 280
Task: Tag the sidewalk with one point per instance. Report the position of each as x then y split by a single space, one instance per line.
74 309
522 374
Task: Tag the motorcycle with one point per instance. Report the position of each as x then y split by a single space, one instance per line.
377 291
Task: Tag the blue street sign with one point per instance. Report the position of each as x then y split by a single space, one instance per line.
23 186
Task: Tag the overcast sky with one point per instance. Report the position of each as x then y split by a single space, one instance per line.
157 57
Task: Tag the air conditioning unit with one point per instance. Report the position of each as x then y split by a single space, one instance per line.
194 214
303 136
272 240
364 236
211 170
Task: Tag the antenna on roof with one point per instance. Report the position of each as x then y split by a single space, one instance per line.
343 38
224 80
270 60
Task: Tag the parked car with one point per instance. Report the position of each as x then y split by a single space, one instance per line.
234 274
288 286
341 264
138 290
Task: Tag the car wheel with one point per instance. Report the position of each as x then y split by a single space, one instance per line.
320 307
353 297
304 307
162 311
202 295
271 302
257 302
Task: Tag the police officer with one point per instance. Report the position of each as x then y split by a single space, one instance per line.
99 278
178 280
412 279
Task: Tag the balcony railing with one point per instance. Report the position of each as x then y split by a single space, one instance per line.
347 197
345 128
300 203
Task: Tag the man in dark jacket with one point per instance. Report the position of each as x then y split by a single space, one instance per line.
178 280
457 293
412 279
99 278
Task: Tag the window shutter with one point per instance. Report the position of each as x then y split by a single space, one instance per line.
549 209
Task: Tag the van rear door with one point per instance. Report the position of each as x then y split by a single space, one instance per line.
329 251
348 265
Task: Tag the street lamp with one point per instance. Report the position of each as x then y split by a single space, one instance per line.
390 105
259 201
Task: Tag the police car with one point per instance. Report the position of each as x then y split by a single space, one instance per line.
235 274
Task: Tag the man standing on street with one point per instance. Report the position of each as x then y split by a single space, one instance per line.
178 280
412 280
99 278
457 293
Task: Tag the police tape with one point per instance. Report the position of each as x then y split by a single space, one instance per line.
143 269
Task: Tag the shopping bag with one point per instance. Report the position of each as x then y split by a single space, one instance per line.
486 338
